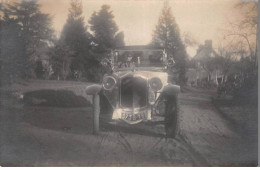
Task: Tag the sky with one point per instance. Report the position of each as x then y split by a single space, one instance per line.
202 19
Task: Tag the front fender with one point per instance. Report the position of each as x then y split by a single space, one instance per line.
93 89
171 89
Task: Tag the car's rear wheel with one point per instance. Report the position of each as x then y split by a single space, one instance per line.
171 116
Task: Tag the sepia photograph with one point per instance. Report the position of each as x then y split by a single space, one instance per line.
129 83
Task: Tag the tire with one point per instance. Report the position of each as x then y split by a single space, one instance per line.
105 106
171 116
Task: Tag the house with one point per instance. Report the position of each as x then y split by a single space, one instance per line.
202 71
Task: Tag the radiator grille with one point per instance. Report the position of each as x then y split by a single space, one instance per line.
133 92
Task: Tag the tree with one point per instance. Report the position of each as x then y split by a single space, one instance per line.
76 37
14 63
119 39
226 60
105 30
39 70
244 30
60 60
241 41
167 35
189 40
105 38
35 28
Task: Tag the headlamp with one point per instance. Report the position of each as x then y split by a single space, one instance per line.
109 83
155 83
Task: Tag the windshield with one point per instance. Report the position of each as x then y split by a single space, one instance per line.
148 58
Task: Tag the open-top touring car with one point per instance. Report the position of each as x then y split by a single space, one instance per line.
138 88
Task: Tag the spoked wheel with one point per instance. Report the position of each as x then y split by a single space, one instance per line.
171 116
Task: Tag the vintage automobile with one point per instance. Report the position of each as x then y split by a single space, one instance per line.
137 87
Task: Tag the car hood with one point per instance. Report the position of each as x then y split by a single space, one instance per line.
146 74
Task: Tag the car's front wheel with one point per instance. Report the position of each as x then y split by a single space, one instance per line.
105 106
171 116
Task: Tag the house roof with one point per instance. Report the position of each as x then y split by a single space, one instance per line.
204 51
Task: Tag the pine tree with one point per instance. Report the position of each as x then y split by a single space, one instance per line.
167 35
105 30
76 37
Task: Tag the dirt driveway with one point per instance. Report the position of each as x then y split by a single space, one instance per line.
47 136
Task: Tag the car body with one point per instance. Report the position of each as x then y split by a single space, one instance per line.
138 85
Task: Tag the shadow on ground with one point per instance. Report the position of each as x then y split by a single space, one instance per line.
54 98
